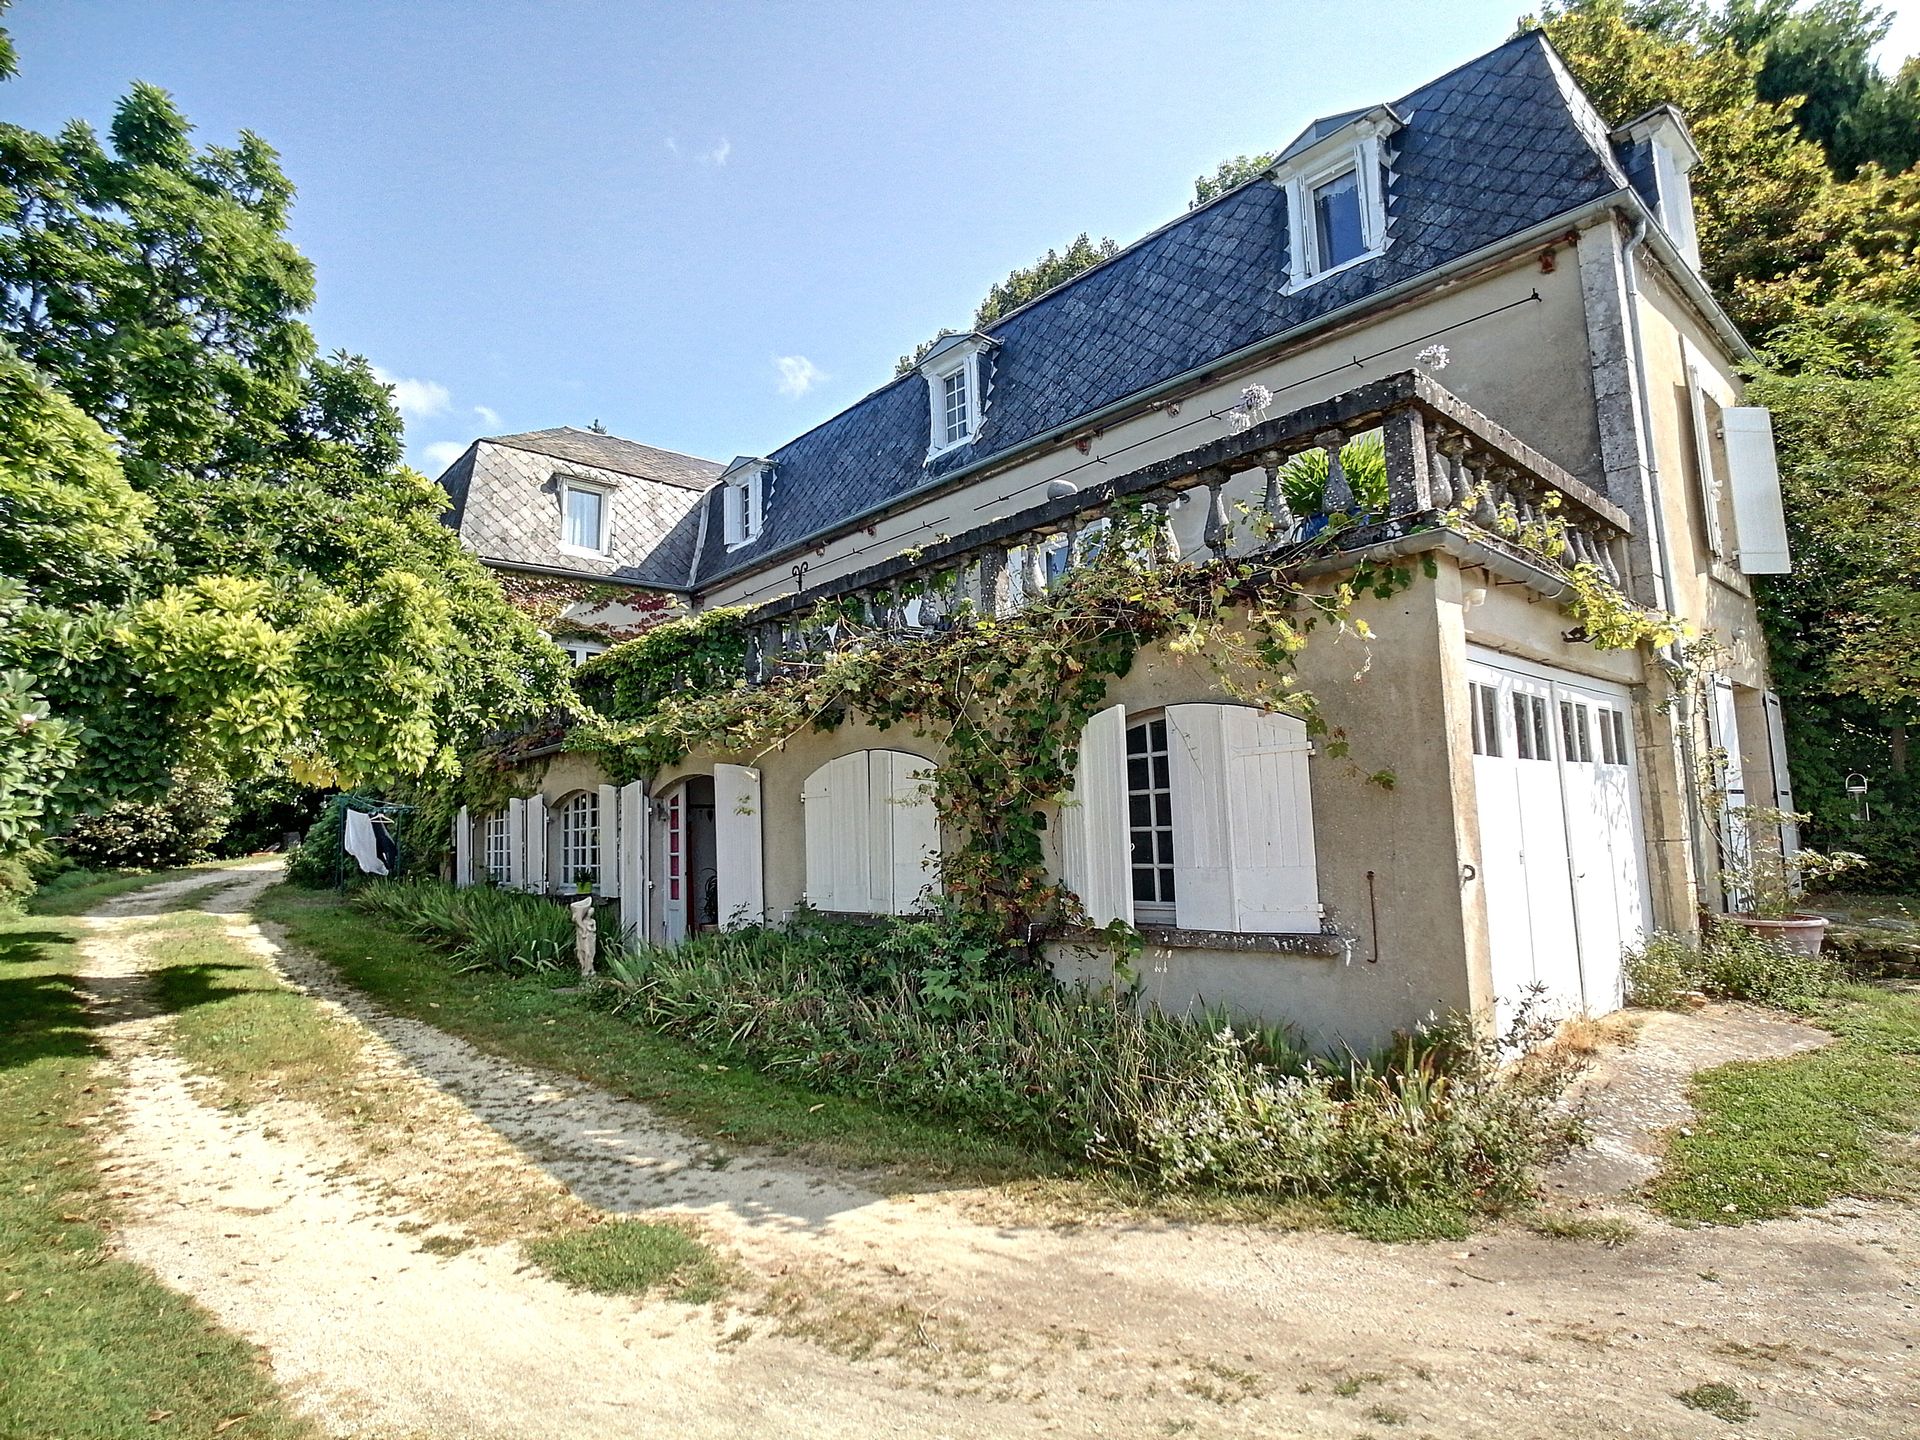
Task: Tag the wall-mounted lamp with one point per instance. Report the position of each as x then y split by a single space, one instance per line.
1476 596
1060 489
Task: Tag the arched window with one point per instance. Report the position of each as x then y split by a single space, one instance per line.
580 839
1150 820
493 847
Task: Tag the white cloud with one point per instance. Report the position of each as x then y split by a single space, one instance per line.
716 154
416 399
489 416
798 374
441 454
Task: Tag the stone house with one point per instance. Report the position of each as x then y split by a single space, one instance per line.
1482 275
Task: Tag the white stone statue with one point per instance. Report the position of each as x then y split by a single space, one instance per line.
586 935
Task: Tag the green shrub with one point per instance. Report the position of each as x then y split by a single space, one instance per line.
482 926
182 827
1732 962
1662 972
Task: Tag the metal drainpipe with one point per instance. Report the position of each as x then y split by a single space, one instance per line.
1663 556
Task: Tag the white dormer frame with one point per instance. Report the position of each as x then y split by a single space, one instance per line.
743 500
603 541
1674 156
956 367
1357 147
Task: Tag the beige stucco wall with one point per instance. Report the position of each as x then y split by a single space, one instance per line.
1525 367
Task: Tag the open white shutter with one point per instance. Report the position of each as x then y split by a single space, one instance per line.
1753 474
1782 776
736 845
1703 460
633 859
1723 731
1276 885
536 873
1243 851
1093 822
516 844
607 862
903 832
463 849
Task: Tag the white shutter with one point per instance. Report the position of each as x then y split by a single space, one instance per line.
848 849
1703 460
536 873
731 515
1723 731
755 503
903 834
633 859
516 844
462 849
1753 473
1093 822
1243 849
816 804
1782 776
736 845
607 862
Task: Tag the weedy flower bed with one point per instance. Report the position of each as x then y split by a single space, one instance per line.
924 1017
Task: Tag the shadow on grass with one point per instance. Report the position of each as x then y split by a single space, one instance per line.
45 1014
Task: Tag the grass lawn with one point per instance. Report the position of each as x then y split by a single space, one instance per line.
630 1256
528 1018
90 1346
1776 1135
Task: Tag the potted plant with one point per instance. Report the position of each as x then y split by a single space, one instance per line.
584 880
1768 879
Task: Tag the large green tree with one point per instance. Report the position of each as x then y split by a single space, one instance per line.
218 559
1820 263
1027 282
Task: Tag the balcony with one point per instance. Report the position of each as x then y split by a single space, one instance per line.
1454 479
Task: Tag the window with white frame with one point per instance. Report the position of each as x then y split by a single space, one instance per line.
493 847
743 503
1336 188
1483 701
1200 816
955 370
580 651
580 839
583 517
1613 736
1150 821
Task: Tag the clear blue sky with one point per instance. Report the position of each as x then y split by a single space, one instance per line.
712 226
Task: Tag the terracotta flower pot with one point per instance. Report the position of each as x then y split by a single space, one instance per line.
1805 933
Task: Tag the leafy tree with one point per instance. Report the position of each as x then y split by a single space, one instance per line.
1028 282
1822 54
1229 175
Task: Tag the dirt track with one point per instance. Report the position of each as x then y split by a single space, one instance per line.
306 1234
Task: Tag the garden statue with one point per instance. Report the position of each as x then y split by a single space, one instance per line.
586 935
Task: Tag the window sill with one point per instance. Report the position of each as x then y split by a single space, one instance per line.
583 551
945 450
1173 937
1307 282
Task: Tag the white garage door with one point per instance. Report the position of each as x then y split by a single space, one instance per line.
1561 852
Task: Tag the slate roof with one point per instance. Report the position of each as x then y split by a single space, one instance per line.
610 452
506 507
1493 148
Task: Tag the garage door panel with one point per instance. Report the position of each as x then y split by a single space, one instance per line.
1561 842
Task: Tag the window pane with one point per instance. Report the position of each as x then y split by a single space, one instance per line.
583 518
1336 219
1522 729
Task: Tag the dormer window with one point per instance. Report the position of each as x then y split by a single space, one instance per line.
743 501
956 371
1666 153
583 517
1335 176
956 408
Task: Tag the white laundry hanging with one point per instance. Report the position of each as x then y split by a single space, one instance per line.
362 843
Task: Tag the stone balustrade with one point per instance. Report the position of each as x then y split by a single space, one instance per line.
1447 468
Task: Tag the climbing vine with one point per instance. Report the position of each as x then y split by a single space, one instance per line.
1004 697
